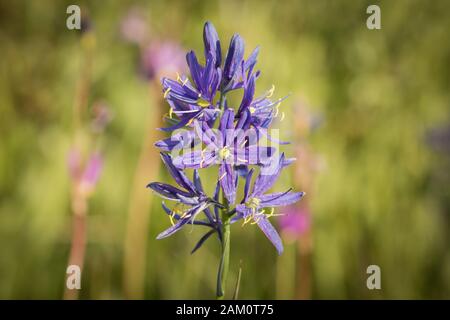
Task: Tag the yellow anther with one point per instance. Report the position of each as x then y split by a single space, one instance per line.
180 79
170 112
272 210
171 217
253 203
270 92
277 110
166 92
223 176
252 110
184 214
190 122
247 220
224 153
256 220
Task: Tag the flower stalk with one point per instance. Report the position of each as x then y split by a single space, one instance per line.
222 275
217 133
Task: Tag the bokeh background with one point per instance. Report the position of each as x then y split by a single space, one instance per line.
368 116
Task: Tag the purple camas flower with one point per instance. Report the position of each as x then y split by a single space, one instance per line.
207 131
191 200
254 202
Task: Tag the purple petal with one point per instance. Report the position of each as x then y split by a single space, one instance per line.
196 159
183 122
183 93
168 232
177 141
270 232
288 161
248 181
217 77
190 200
243 210
267 177
167 191
270 138
177 174
209 216
227 181
256 154
251 60
249 92
202 240
280 199
195 69
178 217
208 75
189 218
168 144
226 125
245 120
241 170
197 181
234 57
207 135
212 43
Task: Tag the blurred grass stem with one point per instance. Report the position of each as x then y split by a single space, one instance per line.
136 236
79 198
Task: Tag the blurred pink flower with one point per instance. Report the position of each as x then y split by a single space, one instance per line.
84 176
162 58
74 163
134 27
295 221
92 172
158 58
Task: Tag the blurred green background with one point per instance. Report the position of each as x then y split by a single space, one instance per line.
372 107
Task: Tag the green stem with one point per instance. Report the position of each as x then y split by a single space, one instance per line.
225 259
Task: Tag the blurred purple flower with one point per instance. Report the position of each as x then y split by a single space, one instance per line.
295 221
84 176
162 58
133 27
102 116
92 172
